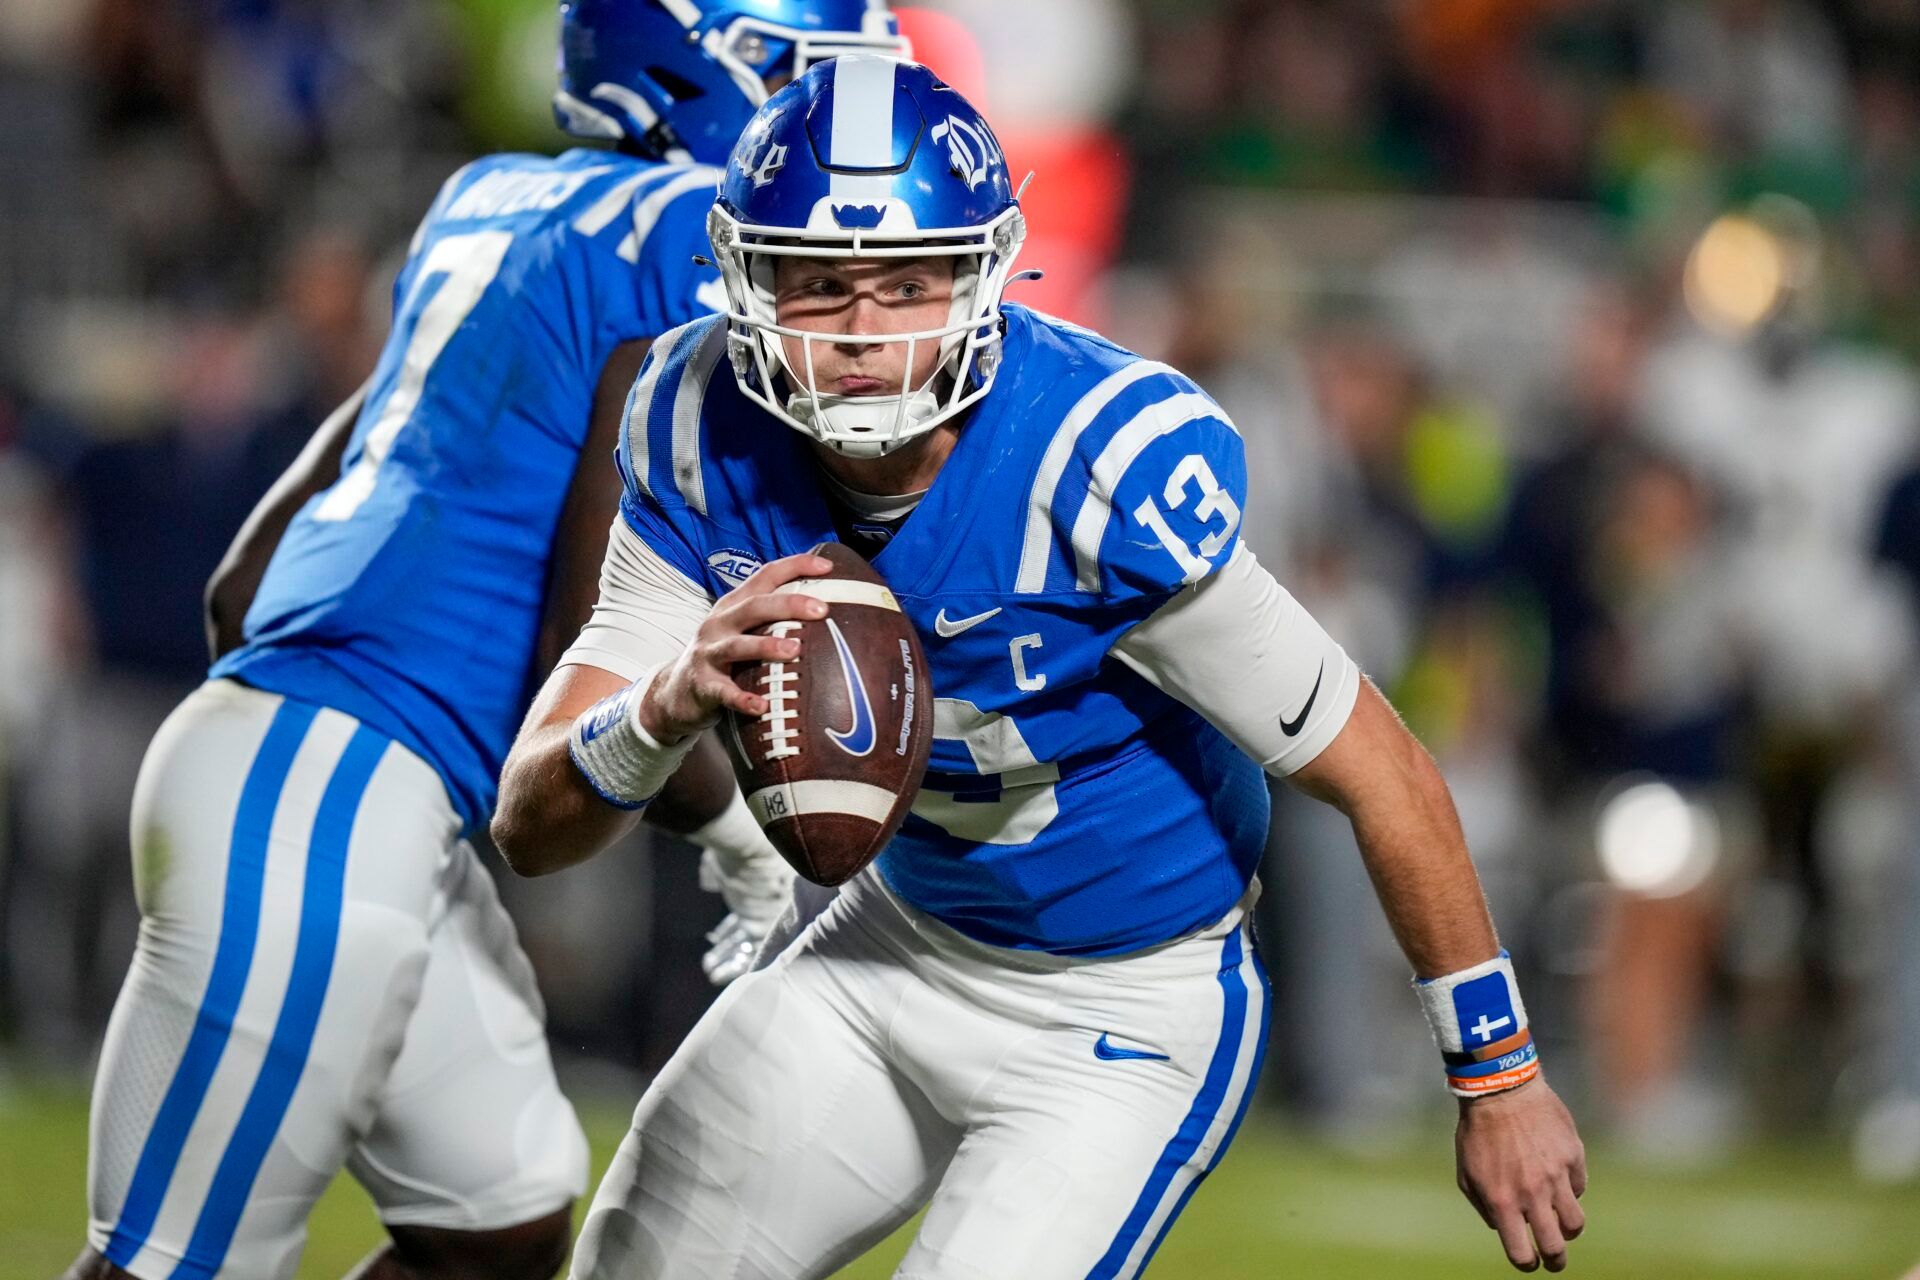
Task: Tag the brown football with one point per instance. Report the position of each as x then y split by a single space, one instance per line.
833 766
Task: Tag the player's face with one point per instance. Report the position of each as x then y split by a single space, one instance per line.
873 297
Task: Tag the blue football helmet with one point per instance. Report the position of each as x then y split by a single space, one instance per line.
866 157
679 78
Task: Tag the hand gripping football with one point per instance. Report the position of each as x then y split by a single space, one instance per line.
833 766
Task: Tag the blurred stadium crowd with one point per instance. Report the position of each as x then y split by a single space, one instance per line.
1573 343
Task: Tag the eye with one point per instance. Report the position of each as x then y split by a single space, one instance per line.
911 289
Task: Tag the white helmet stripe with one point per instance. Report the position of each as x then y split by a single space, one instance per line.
862 129
862 113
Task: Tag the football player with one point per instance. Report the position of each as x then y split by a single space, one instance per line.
1040 1013
324 975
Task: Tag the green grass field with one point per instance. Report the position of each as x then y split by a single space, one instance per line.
1277 1208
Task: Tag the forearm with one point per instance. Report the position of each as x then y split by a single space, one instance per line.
548 816
1409 835
1240 650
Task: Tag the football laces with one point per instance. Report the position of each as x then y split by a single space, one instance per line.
778 685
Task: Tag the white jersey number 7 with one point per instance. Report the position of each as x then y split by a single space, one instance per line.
469 263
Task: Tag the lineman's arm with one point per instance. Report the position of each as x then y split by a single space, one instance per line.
231 590
1242 652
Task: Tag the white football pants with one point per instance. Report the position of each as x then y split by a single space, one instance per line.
324 975
1056 1112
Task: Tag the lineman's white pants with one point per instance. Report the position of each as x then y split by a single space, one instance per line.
324 976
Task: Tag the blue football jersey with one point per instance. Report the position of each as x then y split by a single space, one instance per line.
409 593
1070 806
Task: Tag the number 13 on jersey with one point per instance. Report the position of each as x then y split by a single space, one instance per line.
1215 501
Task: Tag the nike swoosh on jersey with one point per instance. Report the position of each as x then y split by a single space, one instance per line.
1107 1051
951 627
859 737
1292 727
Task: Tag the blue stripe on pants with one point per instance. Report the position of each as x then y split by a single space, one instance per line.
299 1013
232 957
1193 1130
1240 1113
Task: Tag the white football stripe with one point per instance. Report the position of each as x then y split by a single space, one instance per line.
1033 548
821 795
845 591
686 12
1152 422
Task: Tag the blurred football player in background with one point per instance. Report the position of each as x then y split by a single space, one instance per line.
1041 1013
324 974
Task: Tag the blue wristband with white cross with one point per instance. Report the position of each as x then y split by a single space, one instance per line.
1480 1024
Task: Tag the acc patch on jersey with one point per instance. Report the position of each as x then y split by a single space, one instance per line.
732 566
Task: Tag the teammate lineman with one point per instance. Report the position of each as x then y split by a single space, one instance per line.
1040 1013
324 975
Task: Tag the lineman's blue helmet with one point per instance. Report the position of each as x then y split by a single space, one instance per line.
680 78
867 157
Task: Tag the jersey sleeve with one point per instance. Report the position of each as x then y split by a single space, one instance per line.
665 526
1164 496
669 233
649 244
647 611
1240 650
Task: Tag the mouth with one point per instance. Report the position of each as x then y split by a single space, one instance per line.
858 385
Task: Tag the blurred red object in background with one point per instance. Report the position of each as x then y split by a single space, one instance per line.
1077 204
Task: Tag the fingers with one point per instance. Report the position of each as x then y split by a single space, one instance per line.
1544 1218
1566 1204
751 612
752 648
729 641
775 574
721 691
1511 1223
1474 1198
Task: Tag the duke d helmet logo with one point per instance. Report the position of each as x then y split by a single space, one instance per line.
771 163
970 148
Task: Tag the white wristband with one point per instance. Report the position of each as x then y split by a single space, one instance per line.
624 764
1480 1025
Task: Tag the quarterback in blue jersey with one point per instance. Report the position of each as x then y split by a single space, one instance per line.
1040 1014
324 975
